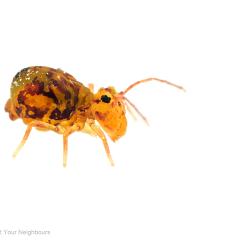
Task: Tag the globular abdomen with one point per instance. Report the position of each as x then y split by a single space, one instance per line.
49 95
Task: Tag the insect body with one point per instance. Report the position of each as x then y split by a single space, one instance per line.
51 99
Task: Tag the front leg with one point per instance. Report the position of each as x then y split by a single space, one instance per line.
101 135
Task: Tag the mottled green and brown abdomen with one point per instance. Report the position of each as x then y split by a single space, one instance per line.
49 95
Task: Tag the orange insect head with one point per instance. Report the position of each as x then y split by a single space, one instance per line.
109 110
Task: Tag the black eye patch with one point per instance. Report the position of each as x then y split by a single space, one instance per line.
105 99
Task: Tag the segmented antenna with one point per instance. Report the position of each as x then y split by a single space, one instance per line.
128 103
148 80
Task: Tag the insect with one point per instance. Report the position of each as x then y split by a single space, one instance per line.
51 99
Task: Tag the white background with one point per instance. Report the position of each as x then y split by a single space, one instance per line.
178 178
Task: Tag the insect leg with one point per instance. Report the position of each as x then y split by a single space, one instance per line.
25 137
9 108
101 135
39 124
65 149
91 87
65 142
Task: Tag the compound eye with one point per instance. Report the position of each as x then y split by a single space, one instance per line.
105 99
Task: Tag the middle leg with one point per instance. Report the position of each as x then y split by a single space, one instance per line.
66 134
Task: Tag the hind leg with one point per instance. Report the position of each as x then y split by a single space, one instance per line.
25 137
38 124
10 109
